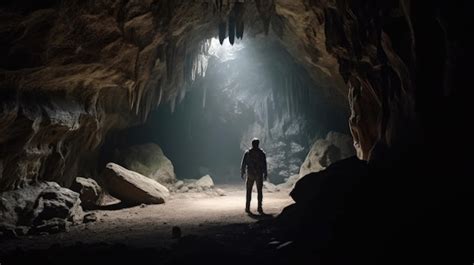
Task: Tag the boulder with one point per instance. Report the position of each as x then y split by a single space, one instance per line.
133 187
89 191
324 152
149 160
341 175
205 182
44 207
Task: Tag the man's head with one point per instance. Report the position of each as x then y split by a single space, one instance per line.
255 142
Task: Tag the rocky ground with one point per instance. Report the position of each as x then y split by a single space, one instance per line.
189 222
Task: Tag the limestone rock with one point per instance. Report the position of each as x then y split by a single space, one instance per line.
89 191
132 187
47 207
149 160
205 182
179 184
324 152
219 192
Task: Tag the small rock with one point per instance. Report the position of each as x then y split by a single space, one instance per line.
184 189
179 184
205 182
90 192
175 232
143 205
220 192
90 217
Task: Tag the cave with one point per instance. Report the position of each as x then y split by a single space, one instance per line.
124 123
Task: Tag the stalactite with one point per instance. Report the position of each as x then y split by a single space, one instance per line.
173 104
160 94
182 93
232 28
265 9
170 55
222 31
240 29
239 13
204 97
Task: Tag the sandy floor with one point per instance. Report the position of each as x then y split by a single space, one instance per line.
151 225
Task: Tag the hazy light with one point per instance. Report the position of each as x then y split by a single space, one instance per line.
226 51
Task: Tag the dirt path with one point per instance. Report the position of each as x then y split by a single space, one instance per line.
151 225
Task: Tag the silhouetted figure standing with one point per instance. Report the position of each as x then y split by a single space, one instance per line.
255 164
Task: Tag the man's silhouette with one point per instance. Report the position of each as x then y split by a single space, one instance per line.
255 164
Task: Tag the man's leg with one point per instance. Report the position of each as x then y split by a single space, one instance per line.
249 184
260 193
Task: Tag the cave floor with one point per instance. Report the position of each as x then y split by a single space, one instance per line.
219 219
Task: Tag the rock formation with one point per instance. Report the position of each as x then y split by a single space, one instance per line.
132 187
89 191
45 207
148 160
324 152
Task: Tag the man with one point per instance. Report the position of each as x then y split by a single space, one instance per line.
255 164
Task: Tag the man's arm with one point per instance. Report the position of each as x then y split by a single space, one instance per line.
243 165
265 172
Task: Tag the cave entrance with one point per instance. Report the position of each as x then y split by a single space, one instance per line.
253 88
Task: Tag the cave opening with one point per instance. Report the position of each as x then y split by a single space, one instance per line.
250 89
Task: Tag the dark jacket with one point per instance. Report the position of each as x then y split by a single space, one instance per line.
254 162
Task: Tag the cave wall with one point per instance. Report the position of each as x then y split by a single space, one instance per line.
74 70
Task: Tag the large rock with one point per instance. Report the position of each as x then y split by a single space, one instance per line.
205 182
89 191
39 207
324 152
149 160
132 187
341 175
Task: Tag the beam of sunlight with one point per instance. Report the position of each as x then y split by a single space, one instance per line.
226 51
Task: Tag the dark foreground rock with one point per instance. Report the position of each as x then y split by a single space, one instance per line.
132 187
45 207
